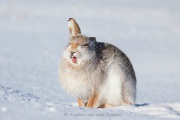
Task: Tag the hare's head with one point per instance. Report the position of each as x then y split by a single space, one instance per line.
80 48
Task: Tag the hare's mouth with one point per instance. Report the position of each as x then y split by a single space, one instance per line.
74 59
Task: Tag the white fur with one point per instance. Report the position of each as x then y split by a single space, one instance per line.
110 92
110 78
101 71
78 88
77 54
74 81
111 89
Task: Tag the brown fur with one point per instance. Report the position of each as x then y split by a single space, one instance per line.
105 106
74 45
73 27
92 100
80 103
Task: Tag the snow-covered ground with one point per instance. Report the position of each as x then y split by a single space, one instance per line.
33 35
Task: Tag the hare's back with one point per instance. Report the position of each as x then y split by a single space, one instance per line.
111 55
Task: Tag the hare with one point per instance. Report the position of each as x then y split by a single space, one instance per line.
98 74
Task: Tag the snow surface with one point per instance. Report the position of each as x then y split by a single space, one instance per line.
33 35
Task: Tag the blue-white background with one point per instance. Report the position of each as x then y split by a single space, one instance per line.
33 34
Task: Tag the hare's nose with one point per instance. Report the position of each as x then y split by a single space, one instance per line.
72 53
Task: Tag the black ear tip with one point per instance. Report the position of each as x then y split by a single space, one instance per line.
93 38
70 19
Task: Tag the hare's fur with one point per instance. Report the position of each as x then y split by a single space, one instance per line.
107 72
102 75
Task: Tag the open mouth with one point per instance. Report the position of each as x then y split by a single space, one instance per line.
74 59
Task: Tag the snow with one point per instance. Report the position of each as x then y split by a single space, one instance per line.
34 33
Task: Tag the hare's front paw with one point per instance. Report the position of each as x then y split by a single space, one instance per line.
93 101
81 103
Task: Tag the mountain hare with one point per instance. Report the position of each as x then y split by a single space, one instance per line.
98 74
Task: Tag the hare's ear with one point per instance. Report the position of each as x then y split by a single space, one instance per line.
92 38
73 27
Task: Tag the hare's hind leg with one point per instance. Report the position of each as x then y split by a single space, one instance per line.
106 106
81 103
128 92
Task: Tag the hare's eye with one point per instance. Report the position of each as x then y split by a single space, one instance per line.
85 44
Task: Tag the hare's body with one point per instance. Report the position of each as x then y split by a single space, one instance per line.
97 73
